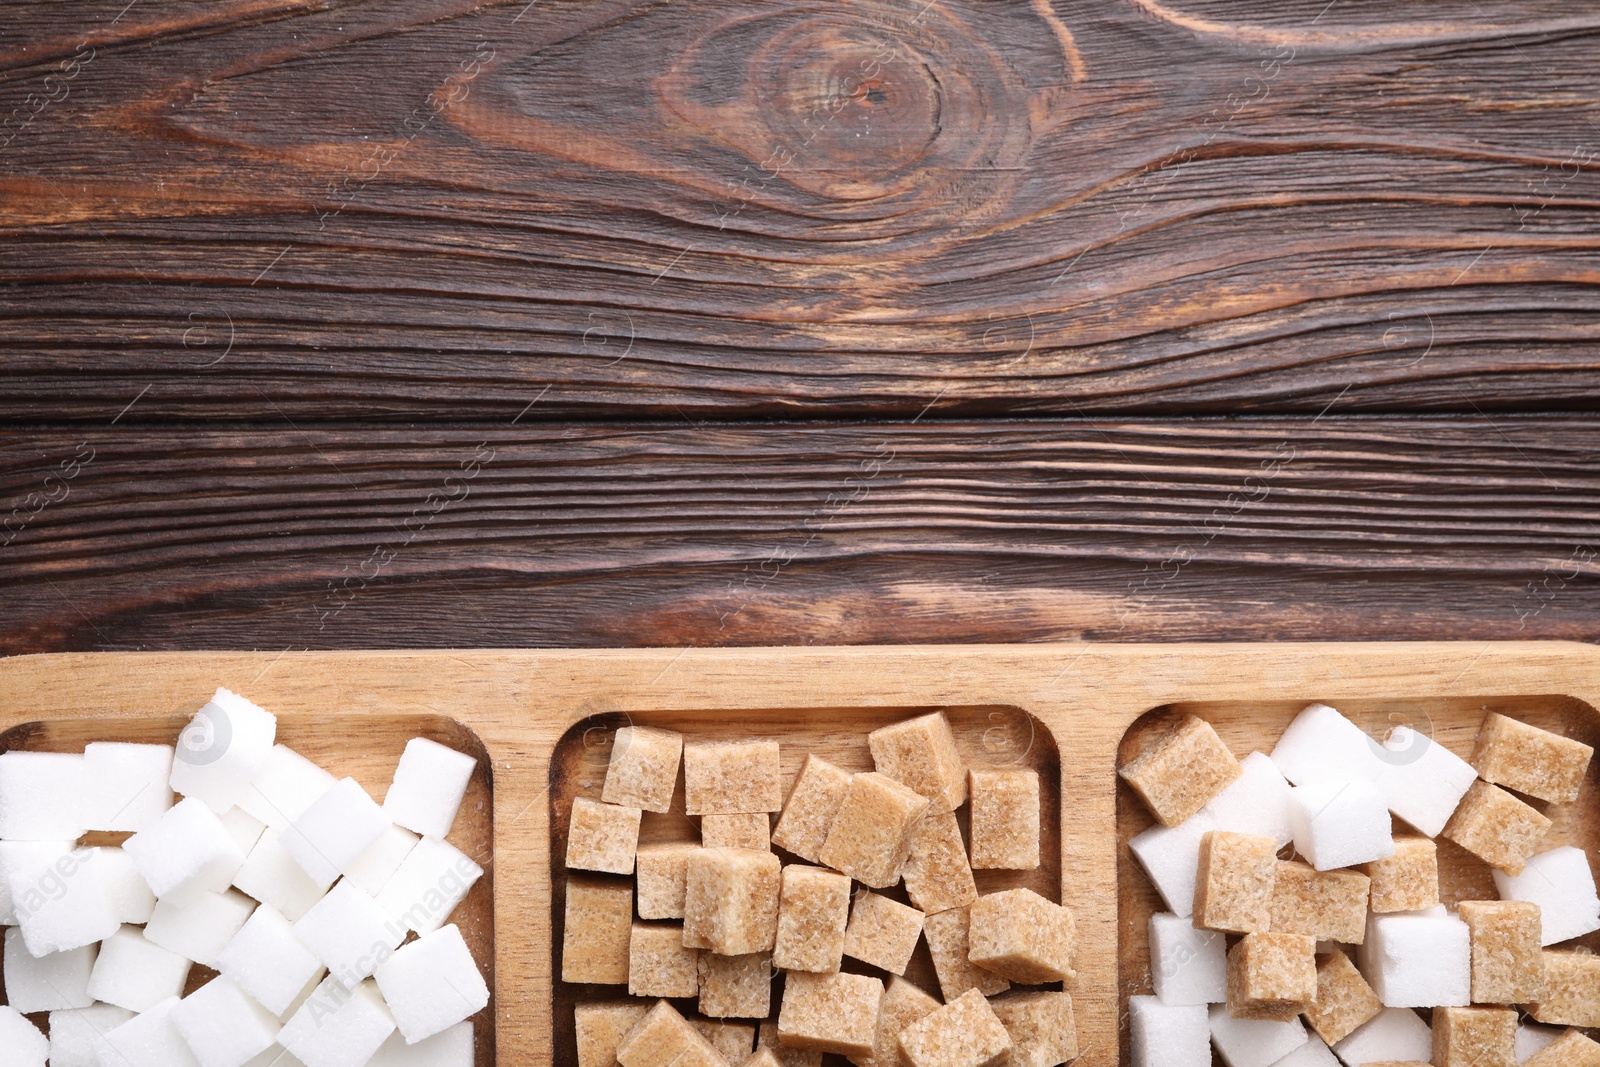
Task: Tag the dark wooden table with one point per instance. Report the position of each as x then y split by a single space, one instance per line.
366 323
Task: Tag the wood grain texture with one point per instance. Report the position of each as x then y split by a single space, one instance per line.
443 209
575 535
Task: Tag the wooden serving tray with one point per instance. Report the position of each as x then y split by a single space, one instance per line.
543 719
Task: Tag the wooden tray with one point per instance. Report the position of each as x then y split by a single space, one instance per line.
1069 706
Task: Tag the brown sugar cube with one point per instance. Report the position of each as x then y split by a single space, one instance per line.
1571 1049
765 1057
903 1004
947 944
1020 935
1005 820
1344 1000
599 928
643 768
659 965
882 932
921 753
660 870
1408 880
736 987
1530 760
663 1038
767 1038
1507 962
937 874
731 777
1182 770
1233 889
964 1033
808 815
1271 976
813 910
830 1012
601 1029
1042 1028
1323 905
1496 827
730 900
1571 990
749 830
871 835
733 1040
1474 1037
602 837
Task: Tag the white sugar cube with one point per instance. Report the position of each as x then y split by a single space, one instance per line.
1314 1053
373 869
222 750
134 973
244 828
1253 1042
1321 745
127 785
147 1040
267 961
130 895
428 786
278 1056
432 984
428 885
1169 1035
15 855
452 1048
1396 1035
201 928
1533 1038
1418 960
73 1033
349 933
338 1027
1256 803
273 877
334 831
1189 966
1422 781
1340 824
46 983
20 1041
284 788
186 852
1170 857
63 904
42 796
1561 883
222 1026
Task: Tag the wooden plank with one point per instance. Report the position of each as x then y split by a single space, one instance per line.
676 535
437 209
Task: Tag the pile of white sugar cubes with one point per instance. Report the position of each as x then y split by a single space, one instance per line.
1257 948
298 890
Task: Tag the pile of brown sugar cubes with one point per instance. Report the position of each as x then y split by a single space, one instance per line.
720 920
1254 941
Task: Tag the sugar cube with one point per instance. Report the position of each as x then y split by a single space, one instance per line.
644 768
272 876
1418 960
1572 1049
1272 976
201 928
24 1045
148 1040
730 902
602 837
334 831
222 1026
1324 905
244 828
429 785
1344 1001
432 984
1322 745
1005 819
1170 858
134 972
338 1027
54 982
1571 990
1422 781
1314 1053
349 933
284 788
1021 935
882 932
812 805
1530 760
903 1004
1233 886
830 1012
222 750
14 855
732 1040
921 754
1041 1026
1561 883
813 911
738 987
751 830
1497 827
1475 1037
267 961
599 928
936 871
964 1033
767 1038
870 838
1256 803
601 1028
1507 967
731 777
948 933
42 796
763 1057
374 867
1169 1035
129 896
73 1033
1179 772
450 1048
186 852
126 786
1340 824
1408 880
1188 966
434 877
661 871
663 1038
1254 1042
659 965
63 904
